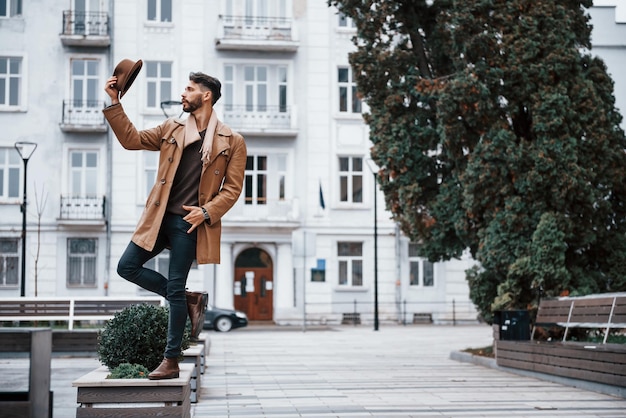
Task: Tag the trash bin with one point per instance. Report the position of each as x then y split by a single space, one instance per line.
513 325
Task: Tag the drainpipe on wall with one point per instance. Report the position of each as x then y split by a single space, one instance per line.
109 165
398 243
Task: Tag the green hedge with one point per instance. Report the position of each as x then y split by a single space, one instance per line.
136 335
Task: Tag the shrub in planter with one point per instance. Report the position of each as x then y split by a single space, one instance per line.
136 335
129 371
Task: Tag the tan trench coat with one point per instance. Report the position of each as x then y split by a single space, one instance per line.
220 183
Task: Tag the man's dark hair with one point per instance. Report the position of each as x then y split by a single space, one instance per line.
209 82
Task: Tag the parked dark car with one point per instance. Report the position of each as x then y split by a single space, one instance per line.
223 320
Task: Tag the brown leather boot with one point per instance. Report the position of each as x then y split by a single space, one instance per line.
168 369
196 305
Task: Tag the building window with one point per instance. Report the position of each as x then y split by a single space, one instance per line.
150 169
228 87
84 173
265 181
160 10
158 83
85 83
256 96
86 20
10 166
255 183
281 173
255 86
10 81
81 262
254 9
345 21
350 259
9 260
421 270
318 274
349 101
10 8
160 263
282 89
351 179
258 88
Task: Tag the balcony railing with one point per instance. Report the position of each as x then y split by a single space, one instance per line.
260 119
83 116
256 32
74 208
265 211
85 28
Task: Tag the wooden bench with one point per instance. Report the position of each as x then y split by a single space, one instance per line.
37 402
75 342
70 310
601 312
597 362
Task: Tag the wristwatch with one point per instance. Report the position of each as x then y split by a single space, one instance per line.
207 219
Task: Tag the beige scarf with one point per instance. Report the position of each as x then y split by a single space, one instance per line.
192 135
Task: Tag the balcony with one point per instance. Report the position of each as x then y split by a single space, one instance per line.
85 29
78 210
83 116
275 212
255 33
274 121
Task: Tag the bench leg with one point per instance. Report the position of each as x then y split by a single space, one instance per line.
39 385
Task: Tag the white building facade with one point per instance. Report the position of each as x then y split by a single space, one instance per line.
303 243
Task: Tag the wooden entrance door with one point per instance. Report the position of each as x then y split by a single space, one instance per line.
254 292
253 285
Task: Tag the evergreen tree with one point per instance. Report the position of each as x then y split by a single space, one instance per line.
496 131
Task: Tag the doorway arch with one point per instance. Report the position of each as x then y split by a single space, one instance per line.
254 285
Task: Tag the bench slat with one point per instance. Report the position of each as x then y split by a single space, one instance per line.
32 308
573 349
68 309
104 307
592 310
64 341
619 313
605 364
553 311
570 354
15 343
614 380
567 362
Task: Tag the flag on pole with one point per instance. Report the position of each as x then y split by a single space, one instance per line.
322 205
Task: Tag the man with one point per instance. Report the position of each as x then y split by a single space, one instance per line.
200 177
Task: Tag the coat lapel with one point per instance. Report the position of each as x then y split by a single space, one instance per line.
221 142
179 134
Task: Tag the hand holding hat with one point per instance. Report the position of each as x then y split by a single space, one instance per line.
126 72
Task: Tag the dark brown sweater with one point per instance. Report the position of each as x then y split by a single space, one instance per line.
187 179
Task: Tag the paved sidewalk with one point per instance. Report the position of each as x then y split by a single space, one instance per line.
350 372
394 372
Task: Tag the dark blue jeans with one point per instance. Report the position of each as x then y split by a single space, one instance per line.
173 235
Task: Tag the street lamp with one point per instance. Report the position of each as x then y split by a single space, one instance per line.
25 149
374 168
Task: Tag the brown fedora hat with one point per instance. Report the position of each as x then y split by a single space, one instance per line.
126 72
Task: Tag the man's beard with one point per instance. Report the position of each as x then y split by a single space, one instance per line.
191 107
